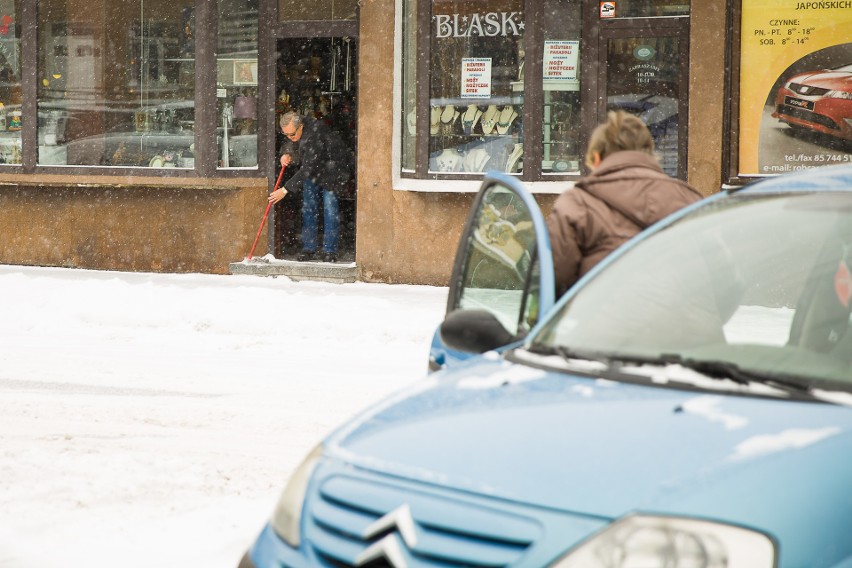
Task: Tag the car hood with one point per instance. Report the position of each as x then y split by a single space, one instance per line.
825 79
604 448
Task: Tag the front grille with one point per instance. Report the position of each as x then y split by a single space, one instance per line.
428 530
808 90
803 114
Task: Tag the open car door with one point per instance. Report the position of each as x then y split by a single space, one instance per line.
502 280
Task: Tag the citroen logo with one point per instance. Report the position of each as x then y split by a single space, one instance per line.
398 524
388 547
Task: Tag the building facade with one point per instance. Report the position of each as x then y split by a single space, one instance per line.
142 134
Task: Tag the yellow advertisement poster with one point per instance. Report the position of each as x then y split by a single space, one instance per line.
795 85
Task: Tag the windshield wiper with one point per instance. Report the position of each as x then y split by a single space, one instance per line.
711 368
718 369
565 352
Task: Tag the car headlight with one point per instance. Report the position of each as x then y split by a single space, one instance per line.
286 520
650 542
845 95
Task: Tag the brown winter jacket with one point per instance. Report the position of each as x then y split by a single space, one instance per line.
627 192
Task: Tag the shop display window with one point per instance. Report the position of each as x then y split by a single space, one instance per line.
506 88
561 117
476 86
479 87
236 84
10 83
116 83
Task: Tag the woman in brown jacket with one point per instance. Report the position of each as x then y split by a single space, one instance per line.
625 192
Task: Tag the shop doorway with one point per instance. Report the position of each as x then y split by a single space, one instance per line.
644 70
317 77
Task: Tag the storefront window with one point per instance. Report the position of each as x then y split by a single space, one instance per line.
116 83
326 10
476 86
409 85
498 67
10 83
561 120
236 78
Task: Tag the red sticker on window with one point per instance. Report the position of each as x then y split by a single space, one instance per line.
843 284
607 9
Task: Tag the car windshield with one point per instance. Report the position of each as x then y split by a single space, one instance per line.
758 283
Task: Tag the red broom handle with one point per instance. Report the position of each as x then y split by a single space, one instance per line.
265 214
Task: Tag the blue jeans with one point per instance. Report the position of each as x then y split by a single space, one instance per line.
311 193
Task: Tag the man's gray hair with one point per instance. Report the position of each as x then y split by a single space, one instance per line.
291 117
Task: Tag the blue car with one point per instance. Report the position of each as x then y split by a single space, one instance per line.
685 404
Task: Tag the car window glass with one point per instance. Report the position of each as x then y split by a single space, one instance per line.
499 259
762 282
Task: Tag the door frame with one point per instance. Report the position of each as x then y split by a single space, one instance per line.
269 37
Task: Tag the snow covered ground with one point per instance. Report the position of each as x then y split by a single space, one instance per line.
152 419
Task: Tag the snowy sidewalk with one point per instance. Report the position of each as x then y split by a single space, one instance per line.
152 419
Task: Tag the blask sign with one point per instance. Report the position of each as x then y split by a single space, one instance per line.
490 24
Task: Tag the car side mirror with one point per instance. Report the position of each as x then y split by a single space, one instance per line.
474 331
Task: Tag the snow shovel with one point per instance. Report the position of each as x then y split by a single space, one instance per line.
265 215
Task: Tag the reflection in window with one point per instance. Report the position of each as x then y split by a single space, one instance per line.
476 89
499 258
10 84
116 83
561 83
236 84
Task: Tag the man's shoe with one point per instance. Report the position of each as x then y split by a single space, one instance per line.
306 255
328 256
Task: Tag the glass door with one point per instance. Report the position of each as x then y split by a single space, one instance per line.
644 70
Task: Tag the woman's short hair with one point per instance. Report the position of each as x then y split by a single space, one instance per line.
621 131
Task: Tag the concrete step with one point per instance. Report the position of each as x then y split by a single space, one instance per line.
334 272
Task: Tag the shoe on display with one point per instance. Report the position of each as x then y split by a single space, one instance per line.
328 256
306 255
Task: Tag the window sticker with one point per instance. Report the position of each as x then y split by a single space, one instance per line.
561 60
476 78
